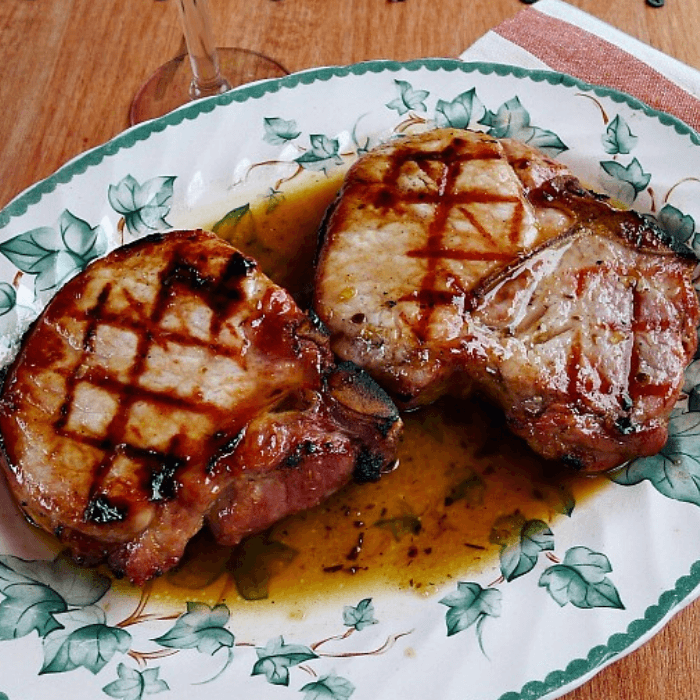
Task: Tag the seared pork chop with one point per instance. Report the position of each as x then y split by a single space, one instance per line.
453 261
169 385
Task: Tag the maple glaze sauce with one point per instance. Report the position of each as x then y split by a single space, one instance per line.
432 521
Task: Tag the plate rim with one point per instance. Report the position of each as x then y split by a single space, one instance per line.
77 165
687 587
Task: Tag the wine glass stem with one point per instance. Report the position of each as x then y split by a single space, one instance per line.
196 23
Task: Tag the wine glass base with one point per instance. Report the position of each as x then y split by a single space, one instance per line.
169 87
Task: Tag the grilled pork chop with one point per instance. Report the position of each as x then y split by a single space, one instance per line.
169 385
452 261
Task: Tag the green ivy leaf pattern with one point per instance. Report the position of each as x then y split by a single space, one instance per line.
581 580
459 113
471 490
675 470
677 224
323 154
76 585
35 591
277 657
134 684
360 616
28 607
408 523
618 137
274 198
512 120
144 207
631 175
330 687
361 148
280 131
558 496
232 218
408 99
520 556
4 697
8 298
201 628
84 639
54 255
33 251
471 605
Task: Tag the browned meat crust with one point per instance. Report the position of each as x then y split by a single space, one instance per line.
169 385
452 260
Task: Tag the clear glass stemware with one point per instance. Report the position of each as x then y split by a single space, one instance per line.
209 70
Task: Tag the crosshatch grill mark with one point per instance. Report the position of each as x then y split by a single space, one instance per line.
221 294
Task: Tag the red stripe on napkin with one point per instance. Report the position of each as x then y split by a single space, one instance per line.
568 49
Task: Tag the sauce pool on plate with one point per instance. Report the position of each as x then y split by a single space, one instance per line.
462 485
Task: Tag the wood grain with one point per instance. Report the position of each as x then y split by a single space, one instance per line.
71 67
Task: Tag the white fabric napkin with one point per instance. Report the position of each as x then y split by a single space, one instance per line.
554 35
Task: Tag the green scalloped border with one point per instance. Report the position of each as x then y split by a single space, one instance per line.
669 601
600 656
130 137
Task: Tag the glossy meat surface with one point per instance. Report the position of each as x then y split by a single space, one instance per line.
169 385
452 261
584 344
420 222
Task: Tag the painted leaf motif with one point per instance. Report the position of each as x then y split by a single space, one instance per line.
76 585
273 198
593 566
83 640
521 556
618 137
405 524
506 528
469 605
471 490
330 687
279 131
29 251
276 658
231 219
675 470
360 147
28 606
255 561
80 238
54 255
201 628
581 580
459 113
512 120
144 207
323 154
8 298
632 175
677 224
558 496
360 616
408 99
134 684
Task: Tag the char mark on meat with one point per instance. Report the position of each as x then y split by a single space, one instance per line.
172 386
493 269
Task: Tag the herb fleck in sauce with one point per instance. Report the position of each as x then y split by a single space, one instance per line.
432 521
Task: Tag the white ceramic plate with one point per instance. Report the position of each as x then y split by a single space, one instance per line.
558 602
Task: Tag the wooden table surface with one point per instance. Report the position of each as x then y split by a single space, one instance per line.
71 67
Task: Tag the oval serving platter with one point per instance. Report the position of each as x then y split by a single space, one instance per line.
551 607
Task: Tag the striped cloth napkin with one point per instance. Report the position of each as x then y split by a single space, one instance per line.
553 35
